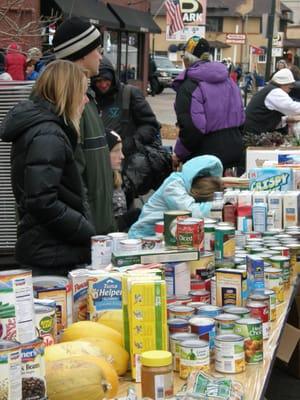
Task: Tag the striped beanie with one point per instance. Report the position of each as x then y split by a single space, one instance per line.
75 38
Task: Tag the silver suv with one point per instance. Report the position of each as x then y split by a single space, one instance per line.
166 71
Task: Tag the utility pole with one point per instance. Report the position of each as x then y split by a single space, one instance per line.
271 21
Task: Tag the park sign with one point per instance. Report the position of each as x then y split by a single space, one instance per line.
235 38
193 13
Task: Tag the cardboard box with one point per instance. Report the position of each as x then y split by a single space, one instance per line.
256 156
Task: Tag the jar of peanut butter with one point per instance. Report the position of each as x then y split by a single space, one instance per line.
157 374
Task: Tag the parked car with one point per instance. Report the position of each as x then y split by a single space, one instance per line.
166 71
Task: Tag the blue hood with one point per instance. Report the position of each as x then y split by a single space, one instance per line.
200 166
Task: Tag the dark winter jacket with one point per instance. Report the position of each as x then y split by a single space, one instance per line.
53 229
209 112
139 130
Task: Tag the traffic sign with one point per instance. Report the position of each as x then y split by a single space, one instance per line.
235 38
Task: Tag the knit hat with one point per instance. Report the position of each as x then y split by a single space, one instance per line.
112 138
75 38
197 46
105 73
283 77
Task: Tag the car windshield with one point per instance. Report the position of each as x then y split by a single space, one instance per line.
164 63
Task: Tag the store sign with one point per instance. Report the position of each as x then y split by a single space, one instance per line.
277 51
193 14
235 38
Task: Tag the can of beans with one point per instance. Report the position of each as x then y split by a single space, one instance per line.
252 331
274 281
194 356
101 247
283 263
33 370
175 340
225 323
204 328
229 354
190 233
178 325
177 311
10 371
45 323
200 295
170 225
260 310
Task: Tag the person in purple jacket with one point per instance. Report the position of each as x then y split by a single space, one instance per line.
209 108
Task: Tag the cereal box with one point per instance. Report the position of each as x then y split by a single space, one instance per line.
79 285
271 179
255 274
231 287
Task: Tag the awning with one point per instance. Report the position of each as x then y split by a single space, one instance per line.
134 20
292 43
94 11
218 45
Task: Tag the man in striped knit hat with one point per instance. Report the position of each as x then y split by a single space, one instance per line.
79 41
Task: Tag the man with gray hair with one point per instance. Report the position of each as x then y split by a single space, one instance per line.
79 41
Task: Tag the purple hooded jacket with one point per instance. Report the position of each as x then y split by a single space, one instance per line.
213 104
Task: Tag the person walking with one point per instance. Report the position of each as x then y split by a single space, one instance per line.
53 234
208 107
78 41
153 81
125 110
267 107
15 62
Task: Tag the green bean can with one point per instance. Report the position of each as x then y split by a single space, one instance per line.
252 331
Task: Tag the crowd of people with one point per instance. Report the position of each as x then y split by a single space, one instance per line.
86 145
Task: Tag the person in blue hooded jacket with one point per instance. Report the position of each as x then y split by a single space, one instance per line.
191 189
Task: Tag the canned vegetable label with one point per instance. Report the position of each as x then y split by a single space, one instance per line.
229 354
224 243
251 330
10 371
194 356
175 340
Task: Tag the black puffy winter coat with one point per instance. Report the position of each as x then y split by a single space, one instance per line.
53 229
146 163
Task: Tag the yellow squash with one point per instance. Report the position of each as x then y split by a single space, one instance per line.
113 319
68 349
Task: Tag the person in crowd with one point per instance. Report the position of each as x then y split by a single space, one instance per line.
4 76
208 107
267 107
31 74
53 226
34 54
125 110
125 218
153 81
191 189
279 65
295 91
78 41
15 62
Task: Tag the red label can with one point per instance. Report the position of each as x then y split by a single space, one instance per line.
190 233
197 284
200 295
261 310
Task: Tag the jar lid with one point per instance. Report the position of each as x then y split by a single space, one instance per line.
156 358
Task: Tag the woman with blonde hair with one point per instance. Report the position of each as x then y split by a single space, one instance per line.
53 226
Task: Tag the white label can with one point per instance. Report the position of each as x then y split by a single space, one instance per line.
101 251
229 354
10 371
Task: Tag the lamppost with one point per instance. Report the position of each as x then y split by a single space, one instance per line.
270 33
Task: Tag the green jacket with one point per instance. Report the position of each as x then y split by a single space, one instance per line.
93 160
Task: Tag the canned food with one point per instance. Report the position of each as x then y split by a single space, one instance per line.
175 340
151 242
10 371
203 268
204 328
209 237
240 238
252 332
272 303
229 354
274 281
200 295
225 245
282 250
184 312
16 306
170 225
252 235
116 238
178 325
101 247
208 310
242 312
45 323
260 310
130 245
196 304
33 370
213 291
194 356
197 284
295 257
190 233
159 229
225 323
179 300
283 263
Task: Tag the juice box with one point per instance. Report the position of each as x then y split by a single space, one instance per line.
231 287
255 274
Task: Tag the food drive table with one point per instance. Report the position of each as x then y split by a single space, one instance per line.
256 376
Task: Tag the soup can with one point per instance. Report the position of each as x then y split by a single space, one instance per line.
225 323
229 354
194 356
197 284
283 263
208 310
151 242
130 245
282 250
116 238
178 325
33 370
10 371
101 251
252 331
190 233
200 295
179 299
294 249
269 298
175 340
242 312
170 225
204 328
45 323
196 304
260 310
178 311
274 281
16 306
